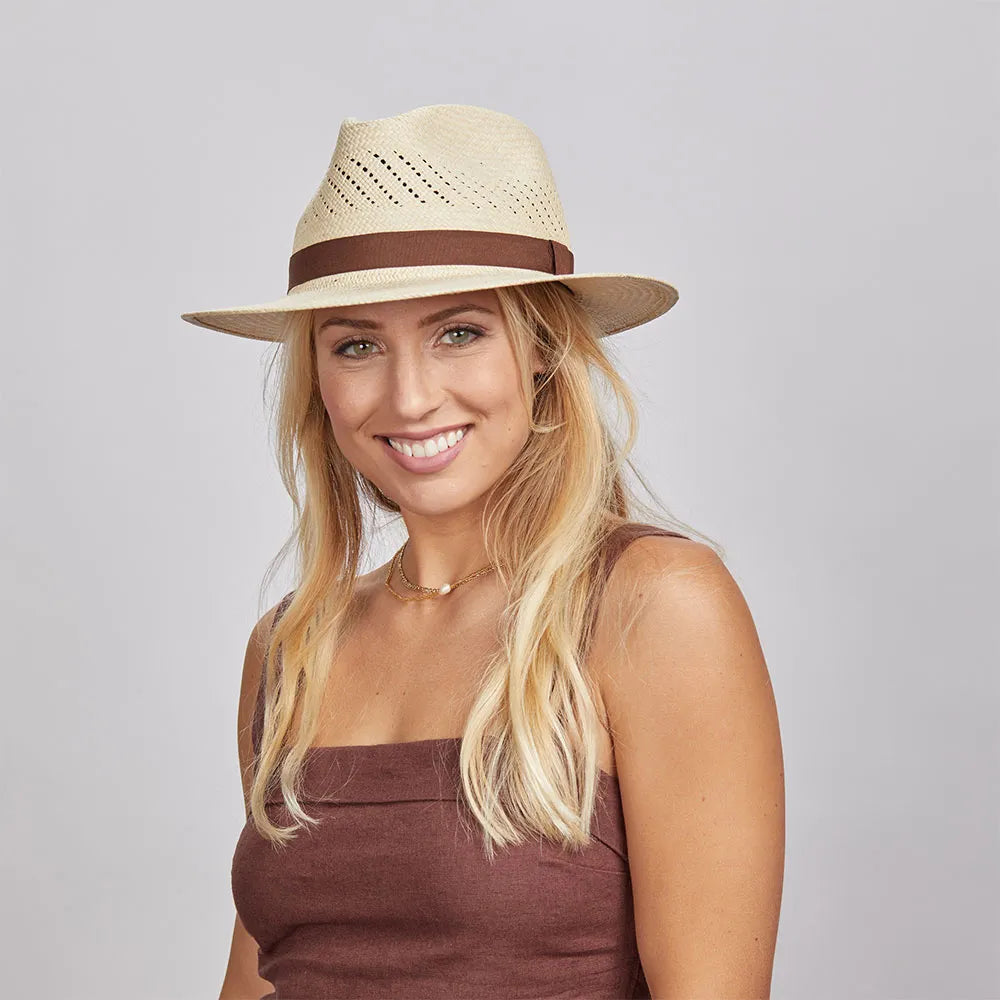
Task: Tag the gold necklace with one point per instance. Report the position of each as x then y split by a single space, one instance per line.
426 592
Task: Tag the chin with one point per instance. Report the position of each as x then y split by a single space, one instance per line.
437 499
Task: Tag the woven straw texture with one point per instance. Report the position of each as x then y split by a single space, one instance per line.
440 167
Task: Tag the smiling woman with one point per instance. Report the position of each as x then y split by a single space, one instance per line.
411 367
536 752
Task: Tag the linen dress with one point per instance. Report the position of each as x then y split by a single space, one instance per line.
392 895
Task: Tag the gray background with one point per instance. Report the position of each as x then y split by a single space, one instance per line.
819 182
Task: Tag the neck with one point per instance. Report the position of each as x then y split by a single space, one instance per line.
436 579
437 553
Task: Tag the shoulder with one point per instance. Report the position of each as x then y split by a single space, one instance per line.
699 760
686 616
686 659
655 571
647 554
261 632
253 659
267 621
252 674
651 573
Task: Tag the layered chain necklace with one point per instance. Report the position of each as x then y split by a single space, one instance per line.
425 593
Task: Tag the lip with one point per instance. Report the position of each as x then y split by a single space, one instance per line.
421 435
434 464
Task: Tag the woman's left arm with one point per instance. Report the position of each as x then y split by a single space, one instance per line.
700 768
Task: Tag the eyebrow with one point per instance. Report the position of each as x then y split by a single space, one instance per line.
368 324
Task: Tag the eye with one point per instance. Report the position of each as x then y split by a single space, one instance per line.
342 348
464 329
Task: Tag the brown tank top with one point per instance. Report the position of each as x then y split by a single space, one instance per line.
392 895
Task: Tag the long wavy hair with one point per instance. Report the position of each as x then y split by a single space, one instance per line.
529 756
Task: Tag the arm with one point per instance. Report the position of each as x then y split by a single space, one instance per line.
241 981
701 774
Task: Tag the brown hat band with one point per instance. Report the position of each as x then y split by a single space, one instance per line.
411 248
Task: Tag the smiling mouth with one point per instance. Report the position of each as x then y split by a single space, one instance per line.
427 447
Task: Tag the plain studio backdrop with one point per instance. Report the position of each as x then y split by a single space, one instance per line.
820 184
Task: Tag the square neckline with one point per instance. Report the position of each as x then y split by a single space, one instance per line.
399 746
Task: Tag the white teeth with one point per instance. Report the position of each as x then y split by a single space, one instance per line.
431 446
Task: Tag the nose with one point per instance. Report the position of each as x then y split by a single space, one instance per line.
413 387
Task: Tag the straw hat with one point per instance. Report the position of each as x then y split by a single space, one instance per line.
442 199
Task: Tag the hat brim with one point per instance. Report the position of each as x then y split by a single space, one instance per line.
616 301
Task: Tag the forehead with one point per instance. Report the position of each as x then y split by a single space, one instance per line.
399 311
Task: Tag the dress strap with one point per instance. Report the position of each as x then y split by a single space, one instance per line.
623 536
617 542
257 727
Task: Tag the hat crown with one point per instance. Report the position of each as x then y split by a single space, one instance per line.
443 166
439 200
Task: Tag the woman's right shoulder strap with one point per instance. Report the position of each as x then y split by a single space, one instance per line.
624 535
257 727
614 545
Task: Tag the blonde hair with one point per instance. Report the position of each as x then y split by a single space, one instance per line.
529 754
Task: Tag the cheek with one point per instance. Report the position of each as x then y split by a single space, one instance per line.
507 422
342 401
493 389
332 402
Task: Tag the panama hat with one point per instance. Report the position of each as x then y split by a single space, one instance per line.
441 199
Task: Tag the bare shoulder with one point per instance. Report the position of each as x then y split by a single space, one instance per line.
681 617
262 630
700 768
649 559
659 578
253 660
253 665
650 572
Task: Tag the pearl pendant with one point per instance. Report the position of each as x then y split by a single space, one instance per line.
445 589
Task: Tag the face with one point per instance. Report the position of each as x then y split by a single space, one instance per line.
407 368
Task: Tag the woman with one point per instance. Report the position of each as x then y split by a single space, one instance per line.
441 758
